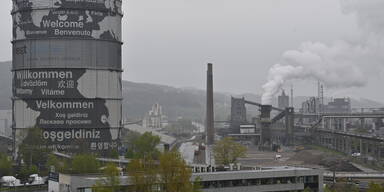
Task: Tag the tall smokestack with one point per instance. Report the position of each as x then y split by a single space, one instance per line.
292 104
210 114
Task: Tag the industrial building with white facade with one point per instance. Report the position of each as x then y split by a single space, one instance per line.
282 179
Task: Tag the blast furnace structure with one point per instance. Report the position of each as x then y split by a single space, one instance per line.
67 72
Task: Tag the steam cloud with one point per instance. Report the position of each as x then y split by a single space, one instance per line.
343 64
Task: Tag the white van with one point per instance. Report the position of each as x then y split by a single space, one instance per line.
9 181
35 179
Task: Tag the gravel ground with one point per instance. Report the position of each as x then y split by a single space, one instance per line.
303 158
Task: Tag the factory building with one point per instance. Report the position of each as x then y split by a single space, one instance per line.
266 179
67 72
283 100
155 118
248 133
339 105
312 105
238 114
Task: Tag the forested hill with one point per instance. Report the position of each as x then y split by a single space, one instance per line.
177 102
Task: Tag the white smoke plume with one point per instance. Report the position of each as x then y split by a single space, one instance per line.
343 64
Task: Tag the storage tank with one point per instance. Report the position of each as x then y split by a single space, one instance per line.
67 72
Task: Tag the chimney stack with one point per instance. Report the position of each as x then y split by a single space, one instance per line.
210 130
292 99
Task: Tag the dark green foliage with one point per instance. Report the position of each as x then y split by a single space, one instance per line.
227 151
33 149
26 171
5 165
53 161
143 173
60 165
85 164
142 146
175 174
111 182
114 154
374 187
128 141
171 171
130 154
341 187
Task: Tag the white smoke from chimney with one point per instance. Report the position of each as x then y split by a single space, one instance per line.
340 65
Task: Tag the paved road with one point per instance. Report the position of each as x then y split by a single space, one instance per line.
187 150
364 169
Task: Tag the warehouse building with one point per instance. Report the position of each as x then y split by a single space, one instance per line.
262 180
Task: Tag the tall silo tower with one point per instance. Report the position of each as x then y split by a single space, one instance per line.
67 72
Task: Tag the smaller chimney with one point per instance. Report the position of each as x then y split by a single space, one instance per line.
292 105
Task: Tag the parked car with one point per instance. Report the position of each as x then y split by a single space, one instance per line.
356 154
35 179
9 181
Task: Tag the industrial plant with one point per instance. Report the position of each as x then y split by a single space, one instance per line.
74 125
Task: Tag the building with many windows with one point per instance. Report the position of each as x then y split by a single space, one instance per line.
262 180
339 105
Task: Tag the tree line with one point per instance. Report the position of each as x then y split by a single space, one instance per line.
149 168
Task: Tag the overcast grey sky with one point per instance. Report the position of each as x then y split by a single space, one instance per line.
170 41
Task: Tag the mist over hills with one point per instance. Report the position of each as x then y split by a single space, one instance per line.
177 102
